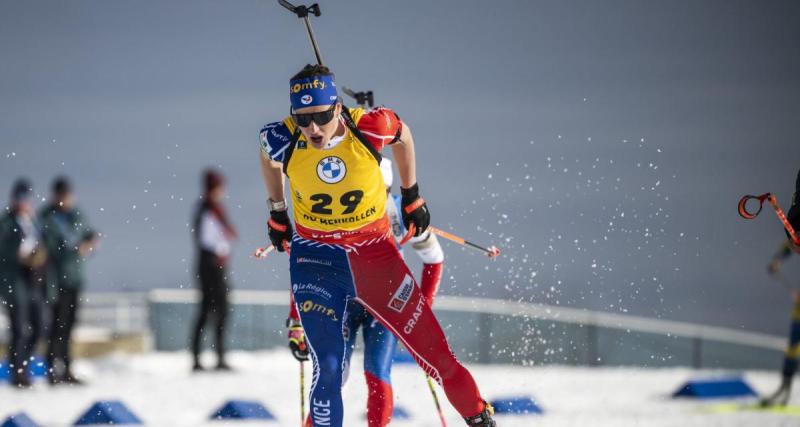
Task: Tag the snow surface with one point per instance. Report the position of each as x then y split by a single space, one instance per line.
161 390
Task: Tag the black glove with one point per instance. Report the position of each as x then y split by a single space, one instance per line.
280 229
415 211
297 341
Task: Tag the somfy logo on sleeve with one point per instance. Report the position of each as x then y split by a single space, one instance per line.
331 169
402 294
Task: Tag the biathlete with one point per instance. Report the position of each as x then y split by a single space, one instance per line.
379 343
790 360
343 248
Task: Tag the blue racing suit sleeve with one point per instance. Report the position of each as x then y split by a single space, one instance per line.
274 139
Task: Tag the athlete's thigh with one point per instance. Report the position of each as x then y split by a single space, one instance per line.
322 285
387 289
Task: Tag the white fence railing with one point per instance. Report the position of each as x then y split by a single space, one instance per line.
491 330
108 313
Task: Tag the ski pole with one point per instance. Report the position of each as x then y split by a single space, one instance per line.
491 251
263 252
302 394
302 12
436 400
744 213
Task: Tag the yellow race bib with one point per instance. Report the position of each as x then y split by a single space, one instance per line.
339 188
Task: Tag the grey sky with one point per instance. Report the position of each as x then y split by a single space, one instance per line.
604 145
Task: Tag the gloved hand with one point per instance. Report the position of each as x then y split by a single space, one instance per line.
297 341
280 229
415 211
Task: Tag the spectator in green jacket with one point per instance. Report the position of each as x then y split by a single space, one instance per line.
69 240
21 289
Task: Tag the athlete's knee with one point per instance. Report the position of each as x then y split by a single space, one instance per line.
448 367
330 363
331 370
380 372
378 365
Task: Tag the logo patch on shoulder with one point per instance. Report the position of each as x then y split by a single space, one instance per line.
402 295
331 170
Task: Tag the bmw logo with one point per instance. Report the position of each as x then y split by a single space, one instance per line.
331 170
306 99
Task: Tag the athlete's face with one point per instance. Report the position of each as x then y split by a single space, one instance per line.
319 135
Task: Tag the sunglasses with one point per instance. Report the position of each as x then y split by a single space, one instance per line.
321 118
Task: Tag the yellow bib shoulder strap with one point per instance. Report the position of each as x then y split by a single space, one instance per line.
288 154
351 119
348 120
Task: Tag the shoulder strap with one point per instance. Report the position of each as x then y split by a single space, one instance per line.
351 124
287 155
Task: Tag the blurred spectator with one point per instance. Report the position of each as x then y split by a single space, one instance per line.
214 236
21 284
69 241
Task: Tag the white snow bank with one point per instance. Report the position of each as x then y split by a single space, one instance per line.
160 389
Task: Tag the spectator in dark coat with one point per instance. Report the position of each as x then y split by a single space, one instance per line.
21 285
214 236
69 240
